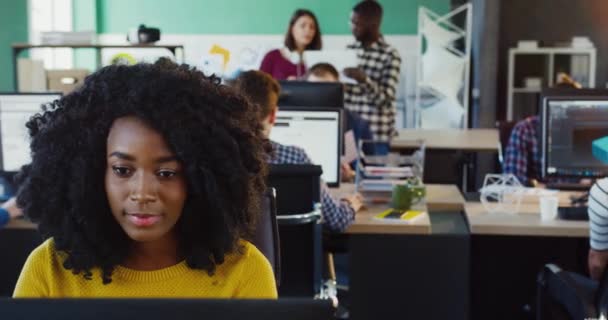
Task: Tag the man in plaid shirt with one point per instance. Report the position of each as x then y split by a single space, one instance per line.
522 156
373 97
263 91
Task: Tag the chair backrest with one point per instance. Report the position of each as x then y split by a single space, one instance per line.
299 221
266 236
17 244
504 134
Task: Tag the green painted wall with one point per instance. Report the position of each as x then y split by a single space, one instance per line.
84 19
13 28
250 16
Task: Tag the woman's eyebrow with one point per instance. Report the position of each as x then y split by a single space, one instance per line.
125 156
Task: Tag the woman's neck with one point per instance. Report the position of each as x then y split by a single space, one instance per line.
153 255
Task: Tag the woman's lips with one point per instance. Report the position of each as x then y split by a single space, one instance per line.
143 219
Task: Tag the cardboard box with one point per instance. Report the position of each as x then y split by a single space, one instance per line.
65 80
31 74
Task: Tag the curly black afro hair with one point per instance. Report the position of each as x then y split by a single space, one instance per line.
208 126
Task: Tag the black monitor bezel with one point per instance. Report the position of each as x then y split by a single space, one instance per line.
340 112
335 88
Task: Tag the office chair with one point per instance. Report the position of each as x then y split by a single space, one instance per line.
266 236
299 222
568 295
17 244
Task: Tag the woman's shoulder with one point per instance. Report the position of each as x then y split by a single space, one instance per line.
44 251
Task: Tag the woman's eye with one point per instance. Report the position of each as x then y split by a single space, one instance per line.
166 173
121 171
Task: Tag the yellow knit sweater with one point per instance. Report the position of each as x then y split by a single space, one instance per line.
246 275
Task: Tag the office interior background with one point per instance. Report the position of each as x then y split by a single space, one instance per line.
468 262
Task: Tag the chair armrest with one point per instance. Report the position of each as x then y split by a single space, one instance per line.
572 292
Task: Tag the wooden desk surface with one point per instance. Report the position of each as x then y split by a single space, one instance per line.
20 224
439 197
525 223
461 139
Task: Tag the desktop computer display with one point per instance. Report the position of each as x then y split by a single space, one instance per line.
311 94
572 132
317 131
15 110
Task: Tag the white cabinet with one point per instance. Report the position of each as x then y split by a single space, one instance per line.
531 65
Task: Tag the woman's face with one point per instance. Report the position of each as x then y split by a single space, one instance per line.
303 31
144 182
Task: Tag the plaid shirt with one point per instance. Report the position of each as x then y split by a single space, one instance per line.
374 100
522 156
337 215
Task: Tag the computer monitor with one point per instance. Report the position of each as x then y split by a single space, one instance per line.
311 94
317 131
569 126
15 110
163 309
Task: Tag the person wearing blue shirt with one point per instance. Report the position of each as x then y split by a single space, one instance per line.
9 211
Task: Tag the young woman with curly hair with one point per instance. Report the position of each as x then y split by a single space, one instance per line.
145 182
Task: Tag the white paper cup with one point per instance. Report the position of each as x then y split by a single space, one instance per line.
548 207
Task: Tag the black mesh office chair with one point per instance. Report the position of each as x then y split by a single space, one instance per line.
567 295
17 244
266 236
299 221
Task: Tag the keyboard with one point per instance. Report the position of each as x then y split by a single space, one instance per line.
568 186
573 213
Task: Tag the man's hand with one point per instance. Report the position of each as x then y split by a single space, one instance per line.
355 201
597 261
355 73
348 174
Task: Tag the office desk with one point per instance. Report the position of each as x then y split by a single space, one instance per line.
399 271
20 224
450 139
525 223
508 250
438 197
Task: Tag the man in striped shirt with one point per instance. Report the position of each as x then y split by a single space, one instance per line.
373 97
598 233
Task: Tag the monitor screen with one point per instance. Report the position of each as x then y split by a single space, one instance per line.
317 131
15 110
570 125
311 94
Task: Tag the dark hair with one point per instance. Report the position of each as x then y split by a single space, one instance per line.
369 9
257 86
208 127
323 68
290 42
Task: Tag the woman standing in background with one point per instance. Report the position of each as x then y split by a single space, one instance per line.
302 34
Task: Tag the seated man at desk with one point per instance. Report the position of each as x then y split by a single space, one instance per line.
523 154
263 92
325 72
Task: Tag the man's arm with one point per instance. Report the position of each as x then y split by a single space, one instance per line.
598 228
516 155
